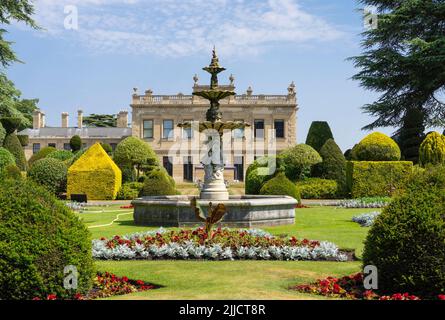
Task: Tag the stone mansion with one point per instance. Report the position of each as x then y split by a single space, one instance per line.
155 119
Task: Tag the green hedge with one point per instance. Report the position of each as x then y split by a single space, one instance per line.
407 241
39 237
280 186
129 191
61 155
376 178
6 158
43 153
316 188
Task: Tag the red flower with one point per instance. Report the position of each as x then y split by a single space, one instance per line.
36 299
441 296
124 279
51 297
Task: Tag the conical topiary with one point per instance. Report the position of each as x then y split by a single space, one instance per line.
318 134
432 149
333 166
13 145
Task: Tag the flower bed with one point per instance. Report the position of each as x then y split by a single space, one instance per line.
351 287
367 219
107 285
364 203
223 244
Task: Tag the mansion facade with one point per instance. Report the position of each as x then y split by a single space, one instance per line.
155 119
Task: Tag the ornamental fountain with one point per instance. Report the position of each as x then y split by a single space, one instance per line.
242 211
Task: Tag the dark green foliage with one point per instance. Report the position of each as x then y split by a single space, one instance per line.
2 134
411 135
348 154
318 134
108 149
6 158
61 155
100 120
280 185
24 140
259 172
333 166
376 179
12 143
50 173
159 183
130 191
10 124
128 173
299 160
403 60
43 153
316 188
407 241
75 143
39 237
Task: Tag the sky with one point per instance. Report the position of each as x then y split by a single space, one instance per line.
160 44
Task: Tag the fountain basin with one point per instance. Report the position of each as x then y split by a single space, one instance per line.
242 211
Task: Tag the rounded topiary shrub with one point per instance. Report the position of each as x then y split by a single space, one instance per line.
6 158
259 172
11 172
407 241
50 173
376 147
280 185
61 155
43 153
432 149
333 166
12 143
75 143
299 160
158 183
39 237
130 191
318 134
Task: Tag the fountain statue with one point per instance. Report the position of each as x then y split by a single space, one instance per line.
214 187
235 211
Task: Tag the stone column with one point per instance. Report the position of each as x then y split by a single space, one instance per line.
65 118
80 119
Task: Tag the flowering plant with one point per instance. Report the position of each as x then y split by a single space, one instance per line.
367 219
221 244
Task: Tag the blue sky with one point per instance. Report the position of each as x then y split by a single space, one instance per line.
161 44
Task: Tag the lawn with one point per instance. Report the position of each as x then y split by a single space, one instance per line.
235 279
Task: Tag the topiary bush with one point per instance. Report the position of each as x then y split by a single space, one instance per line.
376 147
333 166
376 178
318 134
280 185
39 237
130 191
2 134
75 143
43 153
158 183
432 150
299 160
95 175
11 172
10 124
317 188
61 155
50 173
12 143
107 147
407 241
259 172
6 158
24 140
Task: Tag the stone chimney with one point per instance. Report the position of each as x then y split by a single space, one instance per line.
122 119
80 119
65 117
42 119
37 119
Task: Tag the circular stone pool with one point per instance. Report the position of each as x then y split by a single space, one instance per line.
242 211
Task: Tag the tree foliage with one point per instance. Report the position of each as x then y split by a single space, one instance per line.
432 149
100 120
404 60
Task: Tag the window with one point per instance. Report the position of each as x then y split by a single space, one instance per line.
167 132
259 129
188 169
187 133
67 146
35 147
52 145
238 133
84 145
239 168
148 129
279 128
168 165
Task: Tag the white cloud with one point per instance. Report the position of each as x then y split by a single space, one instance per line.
185 27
